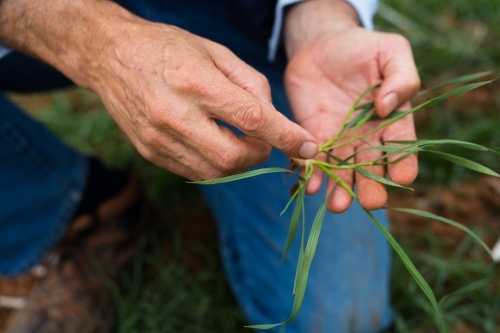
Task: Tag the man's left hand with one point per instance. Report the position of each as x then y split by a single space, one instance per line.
327 72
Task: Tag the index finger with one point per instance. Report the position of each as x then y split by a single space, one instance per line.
241 109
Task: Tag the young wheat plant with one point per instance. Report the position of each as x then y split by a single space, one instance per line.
359 115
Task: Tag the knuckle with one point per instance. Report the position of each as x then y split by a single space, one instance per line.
213 173
148 154
180 129
198 83
249 117
166 122
230 160
261 80
150 137
159 113
266 152
219 48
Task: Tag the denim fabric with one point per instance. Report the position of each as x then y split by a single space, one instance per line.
41 183
20 73
348 284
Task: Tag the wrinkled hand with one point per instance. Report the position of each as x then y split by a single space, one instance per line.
166 88
324 79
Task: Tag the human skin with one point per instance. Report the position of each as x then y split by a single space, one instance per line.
164 86
332 60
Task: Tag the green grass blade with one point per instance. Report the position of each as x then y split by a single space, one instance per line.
375 117
308 172
412 144
349 114
244 175
303 267
475 285
392 150
364 93
431 102
428 215
425 143
395 116
378 178
302 248
402 157
466 163
419 279
333 157
265 326
361 122
294 195
459 80
309 252
369 105
297 271
294 222
459 143
407 150
424 286
361 115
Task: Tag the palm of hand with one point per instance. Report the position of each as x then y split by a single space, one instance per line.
322 82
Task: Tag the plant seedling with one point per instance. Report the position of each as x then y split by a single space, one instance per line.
357 116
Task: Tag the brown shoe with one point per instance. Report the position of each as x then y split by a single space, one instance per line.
70 295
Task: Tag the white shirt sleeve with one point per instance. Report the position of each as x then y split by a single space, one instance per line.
366 10
3 51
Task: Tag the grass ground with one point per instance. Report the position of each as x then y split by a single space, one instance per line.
180 287
450 39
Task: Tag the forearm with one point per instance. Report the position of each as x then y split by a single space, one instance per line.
70 35
307 21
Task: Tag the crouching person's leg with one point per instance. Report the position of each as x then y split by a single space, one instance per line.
61 212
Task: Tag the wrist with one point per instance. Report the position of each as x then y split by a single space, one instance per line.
70 35
308 21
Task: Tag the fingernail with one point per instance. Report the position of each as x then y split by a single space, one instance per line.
308 149
390 102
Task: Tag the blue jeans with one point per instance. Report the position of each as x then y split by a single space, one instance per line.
41 181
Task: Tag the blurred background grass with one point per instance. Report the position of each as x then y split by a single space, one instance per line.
181 287
450 39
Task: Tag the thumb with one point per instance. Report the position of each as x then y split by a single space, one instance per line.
258 119
400 77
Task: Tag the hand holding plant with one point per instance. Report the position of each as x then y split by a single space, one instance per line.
321 85
394 151
361 142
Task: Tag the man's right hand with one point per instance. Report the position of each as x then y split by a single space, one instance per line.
166 88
